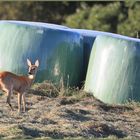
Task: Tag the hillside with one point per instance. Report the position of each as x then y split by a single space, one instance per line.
71 113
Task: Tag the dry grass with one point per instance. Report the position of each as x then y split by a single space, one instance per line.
68 113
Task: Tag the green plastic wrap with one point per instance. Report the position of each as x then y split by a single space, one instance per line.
59 50
113 74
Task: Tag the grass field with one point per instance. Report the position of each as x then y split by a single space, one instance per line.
59 113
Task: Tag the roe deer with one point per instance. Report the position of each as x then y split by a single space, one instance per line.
10 82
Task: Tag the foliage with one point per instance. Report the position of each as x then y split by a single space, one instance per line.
98 17
118 17
112 16
131 25
36 10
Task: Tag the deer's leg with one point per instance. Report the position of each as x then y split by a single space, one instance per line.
9 99
19 102
24 102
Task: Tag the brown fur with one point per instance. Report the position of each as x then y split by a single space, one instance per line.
10 82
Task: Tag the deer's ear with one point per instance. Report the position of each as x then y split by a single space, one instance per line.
29 63
37 63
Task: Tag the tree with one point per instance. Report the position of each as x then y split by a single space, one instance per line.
131 26
98 17
117 17
45 11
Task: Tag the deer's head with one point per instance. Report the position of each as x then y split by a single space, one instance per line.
32 70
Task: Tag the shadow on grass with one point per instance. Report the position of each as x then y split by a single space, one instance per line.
35 133
78 116
115 108
103 130
31 132
1 136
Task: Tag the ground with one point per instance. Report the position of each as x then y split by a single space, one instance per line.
65 114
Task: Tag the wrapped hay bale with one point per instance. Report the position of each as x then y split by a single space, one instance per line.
114 69
89 37
59 50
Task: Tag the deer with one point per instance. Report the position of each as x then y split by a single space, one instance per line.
10 82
